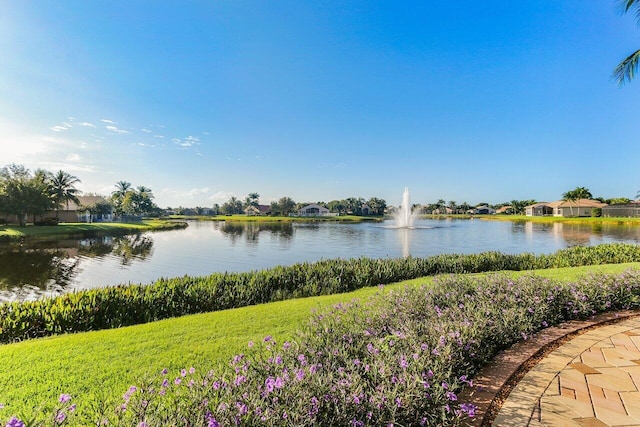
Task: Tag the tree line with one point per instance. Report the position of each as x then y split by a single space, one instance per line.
286 205
27 194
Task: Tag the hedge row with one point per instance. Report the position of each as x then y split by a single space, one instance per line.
116 306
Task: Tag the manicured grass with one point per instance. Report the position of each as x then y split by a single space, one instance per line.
552 219
108 361
81 228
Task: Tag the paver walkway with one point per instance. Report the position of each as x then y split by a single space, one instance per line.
592 380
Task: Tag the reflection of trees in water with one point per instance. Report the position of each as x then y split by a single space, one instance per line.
38 268
252 230
132 247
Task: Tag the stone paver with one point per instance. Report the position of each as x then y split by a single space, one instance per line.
593 380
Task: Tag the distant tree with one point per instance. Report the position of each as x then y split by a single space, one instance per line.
452 206
129 201
616 201
63 190
377 205
354 205
338 206
576 195
252 199
22 193
627 68
232 206
286 205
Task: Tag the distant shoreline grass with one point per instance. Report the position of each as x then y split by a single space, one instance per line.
541 219
258 218
94 364
12 232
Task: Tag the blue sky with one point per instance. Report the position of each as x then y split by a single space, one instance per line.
468 101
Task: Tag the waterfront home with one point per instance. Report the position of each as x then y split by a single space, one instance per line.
538 209
484 210
575 208
628 210
314 210
257 210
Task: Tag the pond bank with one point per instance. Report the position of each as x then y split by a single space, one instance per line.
65 230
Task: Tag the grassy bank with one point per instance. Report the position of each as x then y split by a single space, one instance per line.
554 219
255 218
116 306
93 364
9 232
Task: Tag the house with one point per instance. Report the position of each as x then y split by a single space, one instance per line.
539 209
257 210
314 210
575 208
366 210
505 210
629 210
484 210
89 209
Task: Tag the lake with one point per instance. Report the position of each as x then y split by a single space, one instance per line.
33 269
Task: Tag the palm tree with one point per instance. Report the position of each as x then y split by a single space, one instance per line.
575 196
121 189
626 70
63 190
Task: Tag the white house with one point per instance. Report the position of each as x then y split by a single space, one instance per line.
314 210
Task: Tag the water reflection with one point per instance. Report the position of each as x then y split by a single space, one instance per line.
33 269
251 230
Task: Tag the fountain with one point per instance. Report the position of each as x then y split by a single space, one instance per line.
404 216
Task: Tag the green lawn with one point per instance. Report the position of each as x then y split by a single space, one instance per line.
109 361
81 228
551 219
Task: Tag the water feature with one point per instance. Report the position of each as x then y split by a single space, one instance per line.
405 216
35 268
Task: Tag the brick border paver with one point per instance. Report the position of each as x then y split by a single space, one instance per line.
528 369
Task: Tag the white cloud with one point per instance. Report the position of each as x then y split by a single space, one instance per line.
58 128
159 136
146 130
192 139
221 196
111 122
116 130
87 124
73 157
142 144
197 191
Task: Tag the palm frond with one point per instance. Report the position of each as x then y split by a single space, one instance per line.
627 5
626 70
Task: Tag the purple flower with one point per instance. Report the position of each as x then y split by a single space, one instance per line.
268 338
61 417
451 396
469 409
165 371
192 370
15 422
64 398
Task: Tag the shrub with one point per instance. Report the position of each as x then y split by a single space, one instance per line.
116 306
401 358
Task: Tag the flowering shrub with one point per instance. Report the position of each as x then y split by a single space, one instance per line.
117 306
401 358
